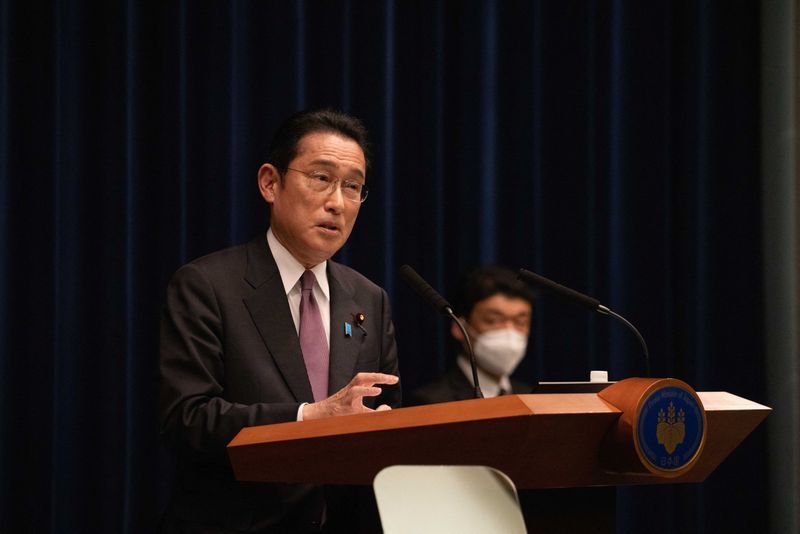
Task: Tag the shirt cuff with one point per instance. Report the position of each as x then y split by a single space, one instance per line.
300 412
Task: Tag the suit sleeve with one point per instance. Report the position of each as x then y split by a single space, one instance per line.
391 394
194 412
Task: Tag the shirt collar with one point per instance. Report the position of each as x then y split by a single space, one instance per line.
291 270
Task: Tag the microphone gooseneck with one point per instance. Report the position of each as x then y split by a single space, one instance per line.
585 301
432 297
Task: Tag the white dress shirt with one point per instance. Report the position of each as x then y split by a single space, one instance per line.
291 271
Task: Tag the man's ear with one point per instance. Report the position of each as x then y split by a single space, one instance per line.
268 181
456 332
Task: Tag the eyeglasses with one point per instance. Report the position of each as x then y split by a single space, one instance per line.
494 320
323 182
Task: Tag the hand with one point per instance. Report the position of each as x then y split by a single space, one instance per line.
349 399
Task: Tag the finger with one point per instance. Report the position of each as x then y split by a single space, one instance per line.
364 391
383 408
374 378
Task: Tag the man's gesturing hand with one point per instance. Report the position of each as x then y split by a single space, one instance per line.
349 399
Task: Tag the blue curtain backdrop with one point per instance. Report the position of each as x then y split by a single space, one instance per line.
611 146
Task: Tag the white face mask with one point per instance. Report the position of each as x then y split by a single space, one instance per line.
500 351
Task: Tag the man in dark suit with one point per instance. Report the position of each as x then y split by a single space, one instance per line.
497 309
273 331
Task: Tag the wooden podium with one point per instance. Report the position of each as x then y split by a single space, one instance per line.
539 440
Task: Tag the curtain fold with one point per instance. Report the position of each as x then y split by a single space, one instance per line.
613 147
780 168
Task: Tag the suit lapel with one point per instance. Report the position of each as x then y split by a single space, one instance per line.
460 385
344 349
269 309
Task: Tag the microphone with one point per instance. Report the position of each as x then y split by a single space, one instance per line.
424 290
585 301
432 297
570 294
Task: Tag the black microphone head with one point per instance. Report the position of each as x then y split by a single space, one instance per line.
424 290
549 285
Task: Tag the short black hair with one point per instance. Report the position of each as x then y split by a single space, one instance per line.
283 148
487 281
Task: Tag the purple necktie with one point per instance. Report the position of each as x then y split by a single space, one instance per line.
313 340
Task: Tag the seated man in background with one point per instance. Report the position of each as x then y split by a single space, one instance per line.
497 310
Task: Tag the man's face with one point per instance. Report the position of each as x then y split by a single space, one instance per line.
314 225
498 312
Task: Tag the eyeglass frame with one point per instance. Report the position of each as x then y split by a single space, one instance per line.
335 182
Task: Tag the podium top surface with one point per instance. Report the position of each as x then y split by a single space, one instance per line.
430 415
462 411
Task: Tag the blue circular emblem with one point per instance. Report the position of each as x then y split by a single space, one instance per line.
670 428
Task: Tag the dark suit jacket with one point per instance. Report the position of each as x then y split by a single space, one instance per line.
231 358
453 386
